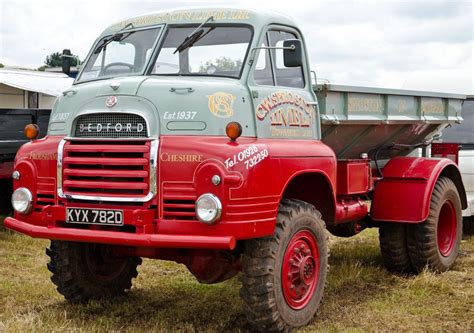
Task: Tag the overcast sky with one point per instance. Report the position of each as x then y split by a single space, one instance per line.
415 44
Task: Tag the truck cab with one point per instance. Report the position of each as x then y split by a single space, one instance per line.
197 136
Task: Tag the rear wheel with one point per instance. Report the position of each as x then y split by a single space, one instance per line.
83 271
284 276
394 248
435 242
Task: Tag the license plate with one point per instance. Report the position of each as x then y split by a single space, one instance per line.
94 216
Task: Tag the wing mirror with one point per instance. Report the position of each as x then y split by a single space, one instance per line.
292 53
66 61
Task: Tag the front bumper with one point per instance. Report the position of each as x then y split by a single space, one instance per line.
122 238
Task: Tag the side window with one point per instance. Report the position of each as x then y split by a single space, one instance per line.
263 68
285 76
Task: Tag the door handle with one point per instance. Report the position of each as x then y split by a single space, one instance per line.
189 90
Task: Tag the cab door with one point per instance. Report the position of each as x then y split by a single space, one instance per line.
283 100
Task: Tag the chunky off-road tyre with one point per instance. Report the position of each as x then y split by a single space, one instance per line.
84 271
394 248
435 242
283 276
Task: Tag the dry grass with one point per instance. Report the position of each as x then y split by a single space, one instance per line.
360 296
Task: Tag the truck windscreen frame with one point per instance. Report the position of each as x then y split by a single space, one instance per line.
121 54
221 51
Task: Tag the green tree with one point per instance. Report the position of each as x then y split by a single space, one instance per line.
55 60
1 65
221 64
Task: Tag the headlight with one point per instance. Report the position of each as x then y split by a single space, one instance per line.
208 208
22 200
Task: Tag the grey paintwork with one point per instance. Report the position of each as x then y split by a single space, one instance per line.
371 117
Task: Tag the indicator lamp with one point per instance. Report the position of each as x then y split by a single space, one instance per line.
233 130
31 131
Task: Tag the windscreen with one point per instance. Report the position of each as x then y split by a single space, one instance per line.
125 53
210 51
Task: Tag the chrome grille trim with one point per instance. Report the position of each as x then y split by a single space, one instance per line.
152 178
131 120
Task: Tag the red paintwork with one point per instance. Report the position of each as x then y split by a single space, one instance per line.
447 224
349 209
446 150
353 177
131 180
250 196
300 269
404 193
122 238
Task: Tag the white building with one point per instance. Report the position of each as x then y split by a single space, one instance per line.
22 89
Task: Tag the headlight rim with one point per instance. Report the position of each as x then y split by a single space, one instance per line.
29 206
218 208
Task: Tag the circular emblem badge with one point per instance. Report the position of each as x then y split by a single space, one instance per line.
111 101
220 104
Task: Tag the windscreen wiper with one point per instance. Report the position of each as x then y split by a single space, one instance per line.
117 37
194 36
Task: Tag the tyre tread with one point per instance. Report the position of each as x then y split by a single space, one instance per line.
68 274
257 267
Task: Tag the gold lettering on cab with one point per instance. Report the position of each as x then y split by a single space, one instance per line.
432 106
289 114
220 104
180 15
370 104
180 158
42 156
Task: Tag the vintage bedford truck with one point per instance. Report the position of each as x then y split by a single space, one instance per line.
196 136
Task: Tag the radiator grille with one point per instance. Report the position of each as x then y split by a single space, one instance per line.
179 202
111 125
106 169
45 193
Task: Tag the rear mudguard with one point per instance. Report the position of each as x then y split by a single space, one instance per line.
404 193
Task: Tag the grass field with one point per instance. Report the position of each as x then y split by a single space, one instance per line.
360 296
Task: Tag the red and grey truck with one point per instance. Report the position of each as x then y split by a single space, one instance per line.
196 136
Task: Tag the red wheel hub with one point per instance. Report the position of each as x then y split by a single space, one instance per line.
446 232
300 270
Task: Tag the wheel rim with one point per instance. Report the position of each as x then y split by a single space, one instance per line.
300 270
447 223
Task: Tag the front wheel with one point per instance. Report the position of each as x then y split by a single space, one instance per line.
83 271
435 242
284 276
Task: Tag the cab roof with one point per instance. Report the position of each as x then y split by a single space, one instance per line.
199 15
